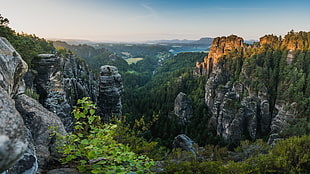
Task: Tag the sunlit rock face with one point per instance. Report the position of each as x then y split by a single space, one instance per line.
234 115
110 90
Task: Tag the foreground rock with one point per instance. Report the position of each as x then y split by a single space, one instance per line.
41 123
12 136
12 69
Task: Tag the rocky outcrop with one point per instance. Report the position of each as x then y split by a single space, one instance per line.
25 124
183 109
110 90
184 142
221 46
63 171
60 83
237 111
284 114
28 163
41 123
12 136
270 40
12 69
13 142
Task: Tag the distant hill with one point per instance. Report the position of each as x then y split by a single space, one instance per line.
203 41
173 41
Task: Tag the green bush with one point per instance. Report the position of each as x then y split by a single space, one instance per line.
293 154
290 155
92 148
31 93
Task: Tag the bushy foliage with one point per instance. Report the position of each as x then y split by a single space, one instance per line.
28 46
290 155
31 93
93 149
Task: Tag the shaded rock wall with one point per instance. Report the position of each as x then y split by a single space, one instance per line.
12 136
183 109
237 110
41 123
110 90
60 83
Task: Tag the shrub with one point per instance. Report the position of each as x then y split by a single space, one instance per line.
92 148
31 93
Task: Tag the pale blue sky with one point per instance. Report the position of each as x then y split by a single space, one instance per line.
140 20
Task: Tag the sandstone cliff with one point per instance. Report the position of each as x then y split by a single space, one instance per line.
238 110
110 90
61 82
26 124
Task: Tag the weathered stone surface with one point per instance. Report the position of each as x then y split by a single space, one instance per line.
234 114
12 135
28 163
223 45
63 171
40 121
284 114
60 83
110 90
270 40
183 108
184 142
12 69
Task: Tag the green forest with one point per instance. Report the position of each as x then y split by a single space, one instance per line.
147 130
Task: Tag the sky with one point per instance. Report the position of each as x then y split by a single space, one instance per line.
144 20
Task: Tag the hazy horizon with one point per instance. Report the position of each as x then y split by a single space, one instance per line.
146 20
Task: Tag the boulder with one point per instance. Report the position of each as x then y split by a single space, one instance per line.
184 142
12 136
183 108
12 69
41 123
63 171
28 163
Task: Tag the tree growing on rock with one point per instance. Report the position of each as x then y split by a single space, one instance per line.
4 21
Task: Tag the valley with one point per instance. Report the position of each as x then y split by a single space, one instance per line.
214 105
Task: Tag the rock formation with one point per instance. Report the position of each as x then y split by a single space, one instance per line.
12 69
183 109
26 125
13 141
60 83
237 110
12 136
110 89
221 46
41 123
284 114
184 142
270 40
